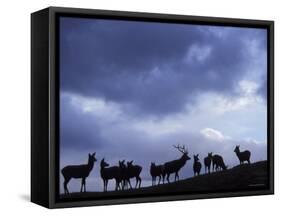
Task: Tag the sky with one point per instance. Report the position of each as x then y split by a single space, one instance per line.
131 90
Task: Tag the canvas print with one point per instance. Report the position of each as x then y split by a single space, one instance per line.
153 108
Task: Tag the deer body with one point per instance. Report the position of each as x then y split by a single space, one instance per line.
174 166
196 165
242 156
108 173
207 162
156 171
78 171
133 171
218 163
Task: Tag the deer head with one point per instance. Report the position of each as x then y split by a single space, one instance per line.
196 157
237 150
183 151
122 164
130 163
210 155
103 163
92 158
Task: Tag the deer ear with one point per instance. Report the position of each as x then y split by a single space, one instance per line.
89 155
94 154
197 155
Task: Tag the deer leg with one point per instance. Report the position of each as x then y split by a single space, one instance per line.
84 183
159 180
139 182
163 178
125 184
116 184
130 183
81 185
138 179
65 185
168 175
120 184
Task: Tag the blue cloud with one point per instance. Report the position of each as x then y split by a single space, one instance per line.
145 64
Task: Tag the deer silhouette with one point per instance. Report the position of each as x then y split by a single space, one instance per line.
78 171
133 171
196 165
156 171
175 165
218 163
124 175
242 156
207 162
108 173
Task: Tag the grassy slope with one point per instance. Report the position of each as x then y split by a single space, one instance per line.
241 177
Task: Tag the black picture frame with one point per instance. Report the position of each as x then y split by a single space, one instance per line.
45 103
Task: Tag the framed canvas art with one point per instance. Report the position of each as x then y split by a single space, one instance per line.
138 107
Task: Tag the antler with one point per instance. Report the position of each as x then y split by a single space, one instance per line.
181 148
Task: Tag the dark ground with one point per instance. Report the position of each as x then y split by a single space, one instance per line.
241 177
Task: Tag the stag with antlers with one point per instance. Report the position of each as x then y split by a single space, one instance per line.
175 165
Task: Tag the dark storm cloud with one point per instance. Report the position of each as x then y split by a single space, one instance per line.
147 64
76 131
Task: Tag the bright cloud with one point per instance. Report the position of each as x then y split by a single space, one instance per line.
212 134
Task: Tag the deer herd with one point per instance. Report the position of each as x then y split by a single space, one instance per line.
124 172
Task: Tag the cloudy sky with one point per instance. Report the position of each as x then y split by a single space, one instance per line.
131 90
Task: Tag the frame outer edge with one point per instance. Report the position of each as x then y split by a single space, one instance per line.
52 89
52 110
